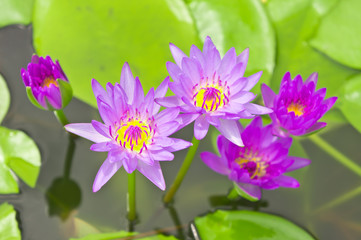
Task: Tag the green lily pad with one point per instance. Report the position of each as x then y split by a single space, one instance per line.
350 101
8 225
4 98
339 33
20 155
92 39
238 24
247 225
15 12
295 23
117 235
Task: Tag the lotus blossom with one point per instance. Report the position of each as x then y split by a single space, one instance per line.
260 164
297 107
134 134
46 84
211 90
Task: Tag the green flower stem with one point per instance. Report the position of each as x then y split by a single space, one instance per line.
336 154
182 172
59 114
69 157
131 197
343 198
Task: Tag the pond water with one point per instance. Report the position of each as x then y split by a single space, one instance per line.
202 190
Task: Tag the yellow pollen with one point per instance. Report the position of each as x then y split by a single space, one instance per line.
257 170
134 135
297 108
210 97
49 80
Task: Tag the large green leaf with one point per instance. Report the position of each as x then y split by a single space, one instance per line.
295 22
238 24
92 38
18 154
4 98
339 33
117 235
247 225
8 225
15 12
350 101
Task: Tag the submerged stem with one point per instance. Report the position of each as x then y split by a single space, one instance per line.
182 172
59 114
336 154
131 197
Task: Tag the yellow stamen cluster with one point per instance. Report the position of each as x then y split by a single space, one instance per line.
134 134
211 96
297 108
49 80
260 168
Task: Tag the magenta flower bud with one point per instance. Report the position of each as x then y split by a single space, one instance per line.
134 133
260 164
212 91
46 84
297 107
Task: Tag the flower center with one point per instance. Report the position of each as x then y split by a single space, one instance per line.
49 80
297 108
253 164
211 96
134 135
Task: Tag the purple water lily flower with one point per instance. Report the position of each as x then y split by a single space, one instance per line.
297 107
211 90
261 163
46 84
134 134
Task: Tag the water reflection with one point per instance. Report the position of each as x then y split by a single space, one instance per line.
64 194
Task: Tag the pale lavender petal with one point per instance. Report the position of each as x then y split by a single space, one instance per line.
178 55
215 163
268 95
106 171
252 190
329 102
106 113
166 115
185 119
243 97
257 109
252 81
178 144
130 164
298 163
168 128
228 61
153 173
101 147
127 82
98 89
100 128
168 102
160 93
243 58
201 126
213 120
231 130
148 103
195 53
86 130
162 155
287 181
193 69
138 93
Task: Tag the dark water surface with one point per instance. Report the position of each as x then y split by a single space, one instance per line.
202 189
